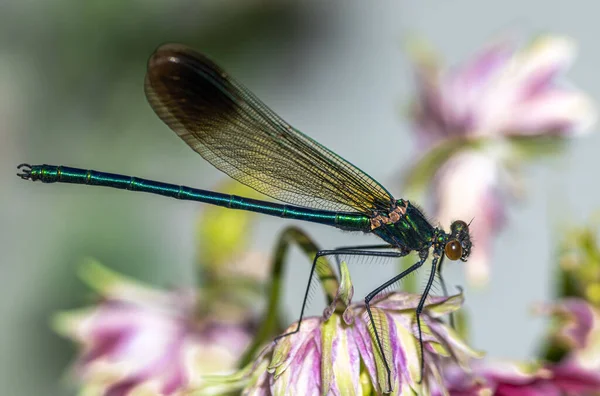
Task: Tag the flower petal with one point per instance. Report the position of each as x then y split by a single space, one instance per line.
556 112
542 60
287 348
457 347
343 297
466 187
362 338
407 358
303 375
382 324
572 378
345 361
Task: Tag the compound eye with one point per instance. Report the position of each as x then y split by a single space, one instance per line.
459 225
453 250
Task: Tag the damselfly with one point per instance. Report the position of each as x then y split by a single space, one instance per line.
234 131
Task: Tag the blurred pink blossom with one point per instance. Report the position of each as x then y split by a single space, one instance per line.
472 124
478 199
578 329
504 378
143 339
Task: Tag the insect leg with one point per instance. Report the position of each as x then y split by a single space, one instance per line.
420 309
423 256
362 247
325 253
366 247
444 289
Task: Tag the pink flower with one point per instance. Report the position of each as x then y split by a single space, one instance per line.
502 378
578 373
578 329
142 339
467 187
336 354
475 123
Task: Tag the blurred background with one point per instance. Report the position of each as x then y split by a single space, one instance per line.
71 92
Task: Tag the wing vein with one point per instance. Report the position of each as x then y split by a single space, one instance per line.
234 131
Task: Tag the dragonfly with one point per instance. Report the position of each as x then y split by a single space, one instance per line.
233 130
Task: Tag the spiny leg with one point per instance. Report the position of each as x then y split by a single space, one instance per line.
420 309
324 253
444 289
439 272
366 247
423 256
362 247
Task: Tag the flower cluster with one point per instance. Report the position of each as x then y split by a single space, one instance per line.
337 354
476 123
570 362
506 378
577 329
143 339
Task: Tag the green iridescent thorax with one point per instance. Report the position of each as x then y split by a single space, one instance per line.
411 230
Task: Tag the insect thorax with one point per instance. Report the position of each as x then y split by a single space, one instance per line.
404 226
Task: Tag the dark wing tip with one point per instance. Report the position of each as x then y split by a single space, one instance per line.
173 58
187 90
175 53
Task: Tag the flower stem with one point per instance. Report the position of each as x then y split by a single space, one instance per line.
324 271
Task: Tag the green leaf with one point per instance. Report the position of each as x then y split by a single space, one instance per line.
222 232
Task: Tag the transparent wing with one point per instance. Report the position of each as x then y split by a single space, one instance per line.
234 131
